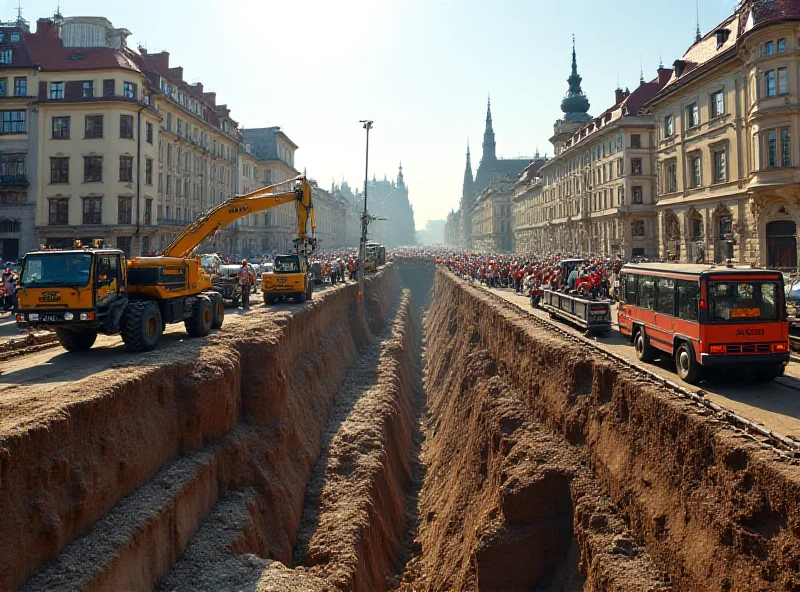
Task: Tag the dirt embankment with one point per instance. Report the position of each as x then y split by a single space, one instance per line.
532 440
190 468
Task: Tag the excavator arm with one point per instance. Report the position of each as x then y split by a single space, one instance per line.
240 206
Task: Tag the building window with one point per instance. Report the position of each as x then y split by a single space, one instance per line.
720 168
12 198
692 115
59 170
149 132
92 169
769 48
87 89
20 86
783 81
786 150
148 171
94 126
56 91
61 128
13 122
148 211
669 126
717 104
126 169
769 83
782 45
636 141
124 210
126 126
14 37
92 210
180 127
169 185
129 90
637 194
5 56
109 88
636 166
671 177
58 214
637 228
169 121
2 87
775 154
694 170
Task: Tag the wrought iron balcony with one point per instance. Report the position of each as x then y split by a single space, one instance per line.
13 180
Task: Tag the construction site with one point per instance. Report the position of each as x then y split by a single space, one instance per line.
430 437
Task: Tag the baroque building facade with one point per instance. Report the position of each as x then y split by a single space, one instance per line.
597 194
388 202
728 123
100 141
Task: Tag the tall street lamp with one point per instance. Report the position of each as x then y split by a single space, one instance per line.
362 252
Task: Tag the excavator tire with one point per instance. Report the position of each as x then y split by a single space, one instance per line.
141 325
76 340
218 305
269 298
200 323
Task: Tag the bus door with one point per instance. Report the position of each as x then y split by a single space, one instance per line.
664 308
646 294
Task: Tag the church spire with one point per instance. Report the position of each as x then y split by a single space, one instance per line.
697 35
489 144
575 105
468 189
400 180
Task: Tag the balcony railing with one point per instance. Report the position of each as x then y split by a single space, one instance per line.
13 180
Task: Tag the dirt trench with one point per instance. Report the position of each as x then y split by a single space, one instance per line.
442 442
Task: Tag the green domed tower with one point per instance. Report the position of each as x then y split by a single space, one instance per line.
575 105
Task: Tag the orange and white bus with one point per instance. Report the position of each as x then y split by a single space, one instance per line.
703 315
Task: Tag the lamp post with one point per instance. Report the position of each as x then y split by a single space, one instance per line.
362 251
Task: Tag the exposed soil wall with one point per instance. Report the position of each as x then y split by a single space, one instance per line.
146 461
701 503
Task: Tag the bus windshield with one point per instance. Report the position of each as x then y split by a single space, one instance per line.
57 269
736 302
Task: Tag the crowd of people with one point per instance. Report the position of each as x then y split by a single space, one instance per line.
529 274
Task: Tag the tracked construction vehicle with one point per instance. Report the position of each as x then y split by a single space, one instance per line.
83 292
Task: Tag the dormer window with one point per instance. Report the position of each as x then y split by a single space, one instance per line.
722 37
680 66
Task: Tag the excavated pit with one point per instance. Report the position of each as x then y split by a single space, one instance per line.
444 442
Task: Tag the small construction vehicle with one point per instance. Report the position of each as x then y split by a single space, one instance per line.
290 277
82 292
376 256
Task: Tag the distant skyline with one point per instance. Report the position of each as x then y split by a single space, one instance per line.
421 70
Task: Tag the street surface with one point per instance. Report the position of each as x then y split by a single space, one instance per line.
775 405
8 327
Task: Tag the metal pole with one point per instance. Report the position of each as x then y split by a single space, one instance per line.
362 252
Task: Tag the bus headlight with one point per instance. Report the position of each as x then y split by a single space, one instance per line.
68 316
33 317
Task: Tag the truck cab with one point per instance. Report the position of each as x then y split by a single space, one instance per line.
77 293
289 279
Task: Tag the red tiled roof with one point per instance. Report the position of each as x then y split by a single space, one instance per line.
48 52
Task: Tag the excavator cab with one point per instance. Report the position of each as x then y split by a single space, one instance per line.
77 293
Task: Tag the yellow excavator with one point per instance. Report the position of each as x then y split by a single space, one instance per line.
82 292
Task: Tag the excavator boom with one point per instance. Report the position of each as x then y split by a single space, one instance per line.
240 206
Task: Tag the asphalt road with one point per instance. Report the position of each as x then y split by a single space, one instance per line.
8 326
775 405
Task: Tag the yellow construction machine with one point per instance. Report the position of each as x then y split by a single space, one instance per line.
82 292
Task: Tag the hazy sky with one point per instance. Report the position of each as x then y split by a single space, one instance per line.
421 69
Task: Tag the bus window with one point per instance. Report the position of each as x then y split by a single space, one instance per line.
630 289
688 295
666 296
743 301
646 291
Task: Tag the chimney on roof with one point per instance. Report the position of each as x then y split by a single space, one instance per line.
45 26
664 74
176 72
722 36
159 60
211 98
619 96
680 66
198 87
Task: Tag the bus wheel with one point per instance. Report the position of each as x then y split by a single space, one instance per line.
686 364
769 373
644 353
